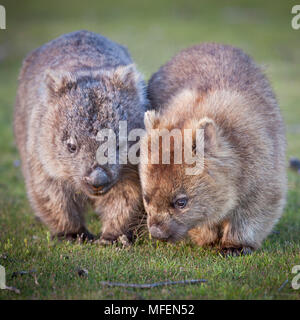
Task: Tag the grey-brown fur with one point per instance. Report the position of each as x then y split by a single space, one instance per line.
69 89
240 195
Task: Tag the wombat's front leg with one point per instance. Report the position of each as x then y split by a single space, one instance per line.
205 236
120 210
59 208
241 235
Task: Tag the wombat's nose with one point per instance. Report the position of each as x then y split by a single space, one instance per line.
157 233
98 178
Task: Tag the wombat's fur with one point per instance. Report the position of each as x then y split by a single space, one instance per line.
236 200
69 89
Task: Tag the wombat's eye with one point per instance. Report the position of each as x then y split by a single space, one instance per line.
180 203
71 147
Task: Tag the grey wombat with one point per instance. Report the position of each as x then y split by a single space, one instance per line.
69 89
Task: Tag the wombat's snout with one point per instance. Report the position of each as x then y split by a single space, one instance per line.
158 233
98 178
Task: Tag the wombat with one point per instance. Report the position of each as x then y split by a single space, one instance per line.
239 195
70 89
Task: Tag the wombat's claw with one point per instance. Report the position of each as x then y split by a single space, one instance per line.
85 237
235 252
81 237
123 240
104 242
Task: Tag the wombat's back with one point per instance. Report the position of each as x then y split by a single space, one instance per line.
207 67
80 49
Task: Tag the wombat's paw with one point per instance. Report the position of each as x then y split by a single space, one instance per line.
104 242
85 237
123 240
81 237
235 252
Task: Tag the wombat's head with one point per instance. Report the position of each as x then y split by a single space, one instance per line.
175 198
79 105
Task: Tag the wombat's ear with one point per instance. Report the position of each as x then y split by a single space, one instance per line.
57 80
126 76
210 134
150 120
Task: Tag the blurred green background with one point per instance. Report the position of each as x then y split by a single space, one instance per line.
153 31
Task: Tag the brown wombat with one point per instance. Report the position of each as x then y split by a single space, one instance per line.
69 89
240 194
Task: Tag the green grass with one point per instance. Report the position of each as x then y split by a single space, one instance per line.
153 32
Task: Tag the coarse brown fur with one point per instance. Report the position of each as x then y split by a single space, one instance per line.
69 89
240 194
